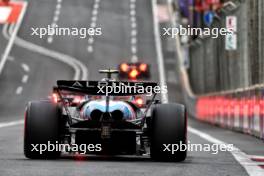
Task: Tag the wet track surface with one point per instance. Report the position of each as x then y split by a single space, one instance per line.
109 49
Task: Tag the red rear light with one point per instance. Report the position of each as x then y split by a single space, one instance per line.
79 157
143 67
77 100
55 98
124 67
139 101
133 74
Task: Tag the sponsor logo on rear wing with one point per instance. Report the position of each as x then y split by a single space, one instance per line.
111 88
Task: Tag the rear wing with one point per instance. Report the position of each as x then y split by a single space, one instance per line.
108 88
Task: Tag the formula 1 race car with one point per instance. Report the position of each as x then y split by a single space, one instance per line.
117 121
133 71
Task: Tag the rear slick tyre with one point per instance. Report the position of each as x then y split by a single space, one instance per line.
42 122
168 127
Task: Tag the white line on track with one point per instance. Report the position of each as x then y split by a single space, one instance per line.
53 25
134 58
90 48
25 67
55 19
94 19
11 28
132 6
13 123
19 90
133 32
90 40
134 41
133 24
133 19
256 156
24 79
93 25
58 6
96 6
242 158
133 37
57 12
50 39
134 49
162 76
95 12
132 12
254 163
13 37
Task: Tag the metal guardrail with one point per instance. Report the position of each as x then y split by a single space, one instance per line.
214 70
237 105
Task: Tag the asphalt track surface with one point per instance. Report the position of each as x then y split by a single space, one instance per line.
109 49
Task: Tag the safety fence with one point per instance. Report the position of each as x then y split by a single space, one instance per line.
226 88
241 111
214 68
241 71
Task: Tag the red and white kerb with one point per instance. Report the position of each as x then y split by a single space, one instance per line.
9 12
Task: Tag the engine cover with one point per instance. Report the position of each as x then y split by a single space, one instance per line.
118 109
